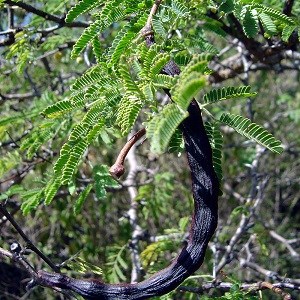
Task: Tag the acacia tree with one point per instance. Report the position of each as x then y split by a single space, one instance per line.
78 77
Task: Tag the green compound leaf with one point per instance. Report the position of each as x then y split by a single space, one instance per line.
162 127
275 14
50 190
80 200
58 109
250 23
228 92
267 23
103 180
31 200
287 31
80 8
216 142
185 93
252 131
110 13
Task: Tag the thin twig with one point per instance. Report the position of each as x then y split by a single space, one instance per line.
226 286
267 273
45 15
245 219
153 11
285 242
147 29
29 243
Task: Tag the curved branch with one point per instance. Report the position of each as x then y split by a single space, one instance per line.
205 187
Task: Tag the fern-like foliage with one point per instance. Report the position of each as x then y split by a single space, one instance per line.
103 180
82 7
112 11
21 48
18 118
9 161
267 23
250 22
188 89
179 9
152 251
81 199
50 190
31 200
273 13
216 141
128 111
92 76
79 265
80 138
125 37
123 85
228 92
288 30
163 125
190 81
176 144
132 101
252 131
118 264
251 14
36 139
162 81
60 108
183 89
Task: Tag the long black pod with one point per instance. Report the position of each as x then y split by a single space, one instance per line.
205 187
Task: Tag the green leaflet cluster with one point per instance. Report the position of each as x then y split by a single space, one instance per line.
82 135
186 86
251 15
39 136
228 92
82 7
111 12
122 86
252 131
216 141
240 124
98 94
117 264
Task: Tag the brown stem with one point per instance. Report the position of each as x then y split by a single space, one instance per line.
117 169
277 290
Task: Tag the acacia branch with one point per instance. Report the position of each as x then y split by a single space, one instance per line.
17 96
60 20
285 242
268 273
227 286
